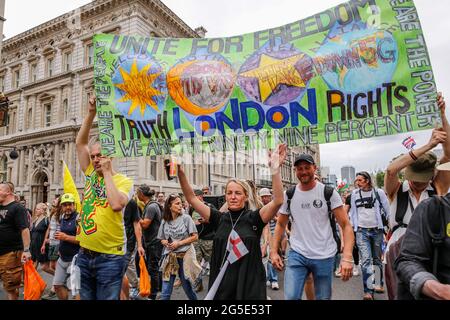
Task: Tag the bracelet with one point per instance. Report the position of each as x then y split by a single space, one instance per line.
349 261
412 155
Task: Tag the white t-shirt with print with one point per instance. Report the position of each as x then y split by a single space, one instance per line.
311 233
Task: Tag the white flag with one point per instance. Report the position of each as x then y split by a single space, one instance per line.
236 247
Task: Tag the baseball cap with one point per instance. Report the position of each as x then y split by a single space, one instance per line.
304 157
422 170
67 197
264 192
198 192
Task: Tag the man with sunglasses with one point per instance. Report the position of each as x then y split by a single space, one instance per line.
101 231
369 213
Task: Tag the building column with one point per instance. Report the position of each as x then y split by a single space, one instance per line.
59 110
56 164
21 166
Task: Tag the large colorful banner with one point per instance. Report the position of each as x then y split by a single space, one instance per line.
358 70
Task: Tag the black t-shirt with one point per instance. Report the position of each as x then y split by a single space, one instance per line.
245 279
13 219
131 215
69 226
153 212
205 230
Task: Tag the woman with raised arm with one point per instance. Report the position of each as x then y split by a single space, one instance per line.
246 278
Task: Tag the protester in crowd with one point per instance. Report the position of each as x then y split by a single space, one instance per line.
347 206
203 247
206 191
14 240
101 234
177 233
272 274
132 218
161 199
68 246
244 279
312 244
254 202
420 183
369 214
53 227
423 265
152 217
39 225
23 202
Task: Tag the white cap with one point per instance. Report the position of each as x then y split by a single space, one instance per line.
264 192
444 166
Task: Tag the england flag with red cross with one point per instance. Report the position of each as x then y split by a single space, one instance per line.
236 247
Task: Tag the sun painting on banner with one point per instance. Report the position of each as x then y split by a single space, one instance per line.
140 88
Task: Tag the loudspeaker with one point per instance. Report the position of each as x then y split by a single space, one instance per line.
216 201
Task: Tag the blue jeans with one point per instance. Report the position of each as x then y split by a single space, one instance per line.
167 286
297 270
101 276
272 274
369 243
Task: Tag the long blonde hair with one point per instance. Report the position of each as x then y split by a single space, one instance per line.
252 202
35 217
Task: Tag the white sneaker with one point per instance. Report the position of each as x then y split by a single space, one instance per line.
337 274
268 283
355 270
275 286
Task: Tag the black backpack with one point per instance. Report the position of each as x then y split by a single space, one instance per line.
403 202
437 231
328 192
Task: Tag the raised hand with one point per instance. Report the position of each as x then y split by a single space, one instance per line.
92 104
277 157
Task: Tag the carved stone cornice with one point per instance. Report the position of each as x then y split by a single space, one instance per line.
52 79
89 10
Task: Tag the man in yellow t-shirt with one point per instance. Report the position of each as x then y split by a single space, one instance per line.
101 230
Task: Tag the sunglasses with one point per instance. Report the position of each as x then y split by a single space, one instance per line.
364 174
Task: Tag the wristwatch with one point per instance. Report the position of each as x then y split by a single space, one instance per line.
26 250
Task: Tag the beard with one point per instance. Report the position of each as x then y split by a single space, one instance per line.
305 179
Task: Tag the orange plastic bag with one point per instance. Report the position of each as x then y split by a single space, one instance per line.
144 279
34 285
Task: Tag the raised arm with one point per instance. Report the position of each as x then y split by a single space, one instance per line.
442 180
276 161
391 180
83 136
198 205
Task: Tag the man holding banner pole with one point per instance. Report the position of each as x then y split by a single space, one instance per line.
101 230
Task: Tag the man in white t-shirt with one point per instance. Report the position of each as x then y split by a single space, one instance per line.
312 245
369 214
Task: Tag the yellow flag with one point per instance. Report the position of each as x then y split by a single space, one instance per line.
70 187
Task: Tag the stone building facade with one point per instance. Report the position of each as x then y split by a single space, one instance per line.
47 74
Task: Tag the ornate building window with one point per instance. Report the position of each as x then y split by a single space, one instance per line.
50 66
4 168
47 114
16 78
2 84
33 72
67 61
89 54
153 167
29 118
66 109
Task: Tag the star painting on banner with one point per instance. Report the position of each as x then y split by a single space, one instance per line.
272 72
